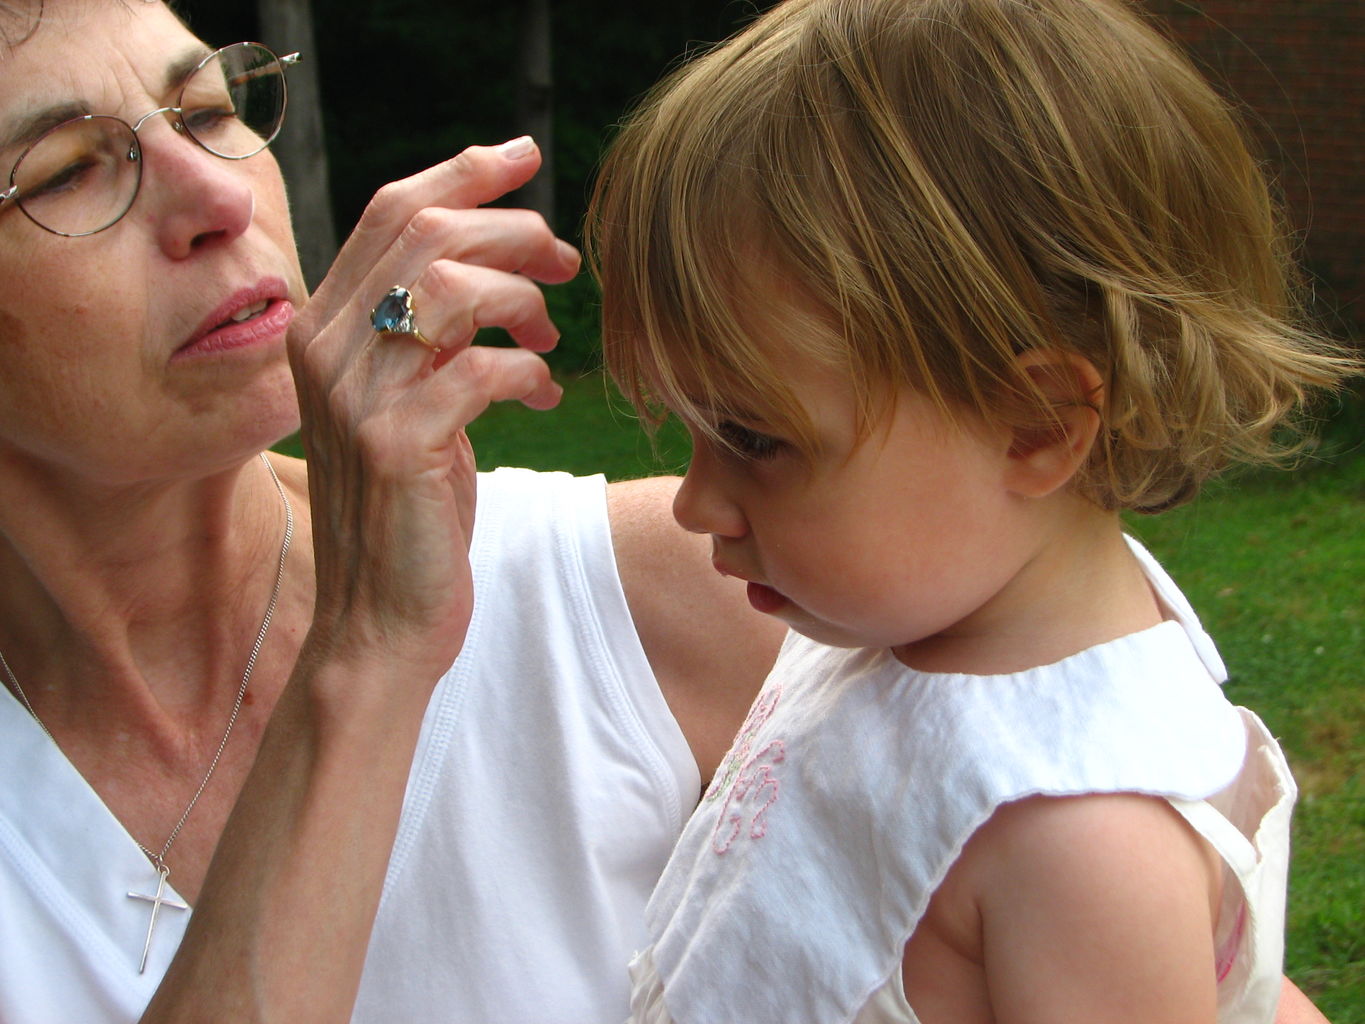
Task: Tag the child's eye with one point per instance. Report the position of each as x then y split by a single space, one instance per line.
746 443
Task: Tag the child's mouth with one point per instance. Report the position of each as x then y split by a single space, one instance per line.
765 599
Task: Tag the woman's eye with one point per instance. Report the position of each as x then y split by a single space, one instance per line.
746 443
208 119
68 179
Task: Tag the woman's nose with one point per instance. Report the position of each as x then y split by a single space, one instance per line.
195 197
702 504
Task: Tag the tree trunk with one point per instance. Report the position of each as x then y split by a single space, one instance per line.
286 26
535 103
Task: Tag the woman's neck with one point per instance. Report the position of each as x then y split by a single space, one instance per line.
148 593
129 626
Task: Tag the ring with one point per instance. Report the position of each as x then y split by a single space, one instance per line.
394 316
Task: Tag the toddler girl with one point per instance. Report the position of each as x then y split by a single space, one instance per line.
939 287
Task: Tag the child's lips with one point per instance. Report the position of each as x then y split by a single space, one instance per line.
765 599
762 597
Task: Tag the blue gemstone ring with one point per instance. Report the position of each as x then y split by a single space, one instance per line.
394 317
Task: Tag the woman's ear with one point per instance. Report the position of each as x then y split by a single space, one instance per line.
1046 453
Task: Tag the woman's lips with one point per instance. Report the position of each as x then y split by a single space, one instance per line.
270 323
249 315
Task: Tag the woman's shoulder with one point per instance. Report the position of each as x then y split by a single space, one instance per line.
709 649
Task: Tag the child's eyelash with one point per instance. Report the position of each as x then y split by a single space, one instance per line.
747 443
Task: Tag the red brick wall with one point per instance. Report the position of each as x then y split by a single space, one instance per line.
1298 66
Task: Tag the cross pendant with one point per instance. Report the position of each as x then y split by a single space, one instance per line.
157 901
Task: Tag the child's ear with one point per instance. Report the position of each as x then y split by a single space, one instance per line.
1045 455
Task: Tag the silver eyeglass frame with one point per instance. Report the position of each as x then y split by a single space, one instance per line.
134 154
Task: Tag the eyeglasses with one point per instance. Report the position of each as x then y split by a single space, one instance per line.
82 175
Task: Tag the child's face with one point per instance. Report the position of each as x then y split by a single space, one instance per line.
907 534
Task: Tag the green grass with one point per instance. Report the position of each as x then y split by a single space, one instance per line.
593 430
1275 564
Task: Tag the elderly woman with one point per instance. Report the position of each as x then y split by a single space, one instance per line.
231 681
184 619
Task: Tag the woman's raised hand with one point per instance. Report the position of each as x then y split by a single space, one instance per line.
391 474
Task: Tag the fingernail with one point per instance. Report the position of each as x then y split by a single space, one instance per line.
518 148
567 253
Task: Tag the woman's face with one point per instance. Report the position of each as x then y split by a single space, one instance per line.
153 349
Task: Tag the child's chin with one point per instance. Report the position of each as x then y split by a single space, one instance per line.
823 633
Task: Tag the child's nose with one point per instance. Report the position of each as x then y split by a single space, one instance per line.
701 504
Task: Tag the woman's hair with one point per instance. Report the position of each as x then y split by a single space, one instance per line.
930 188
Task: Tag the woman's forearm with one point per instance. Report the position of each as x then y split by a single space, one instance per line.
283 922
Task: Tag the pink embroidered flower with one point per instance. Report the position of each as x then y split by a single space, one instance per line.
760 712
755 790
747 779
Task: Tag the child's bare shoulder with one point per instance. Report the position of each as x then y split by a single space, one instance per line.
1073 900
1070 843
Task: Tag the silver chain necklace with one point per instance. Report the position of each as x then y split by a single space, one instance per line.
160 899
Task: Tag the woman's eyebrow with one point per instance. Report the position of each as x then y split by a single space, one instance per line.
26 128
181 69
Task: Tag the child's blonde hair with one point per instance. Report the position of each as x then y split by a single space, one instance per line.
936 186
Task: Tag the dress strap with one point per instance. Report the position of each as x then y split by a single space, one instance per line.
1225 837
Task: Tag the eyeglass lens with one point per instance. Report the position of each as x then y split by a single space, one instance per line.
83 175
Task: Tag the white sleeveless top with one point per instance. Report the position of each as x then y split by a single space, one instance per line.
856 782
549 784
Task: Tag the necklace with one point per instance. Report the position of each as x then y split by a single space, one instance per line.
160 899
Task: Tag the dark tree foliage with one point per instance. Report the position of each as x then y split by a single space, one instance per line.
407 83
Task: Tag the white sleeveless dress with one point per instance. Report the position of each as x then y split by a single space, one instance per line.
856 782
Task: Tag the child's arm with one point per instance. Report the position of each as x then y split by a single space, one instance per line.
1096 908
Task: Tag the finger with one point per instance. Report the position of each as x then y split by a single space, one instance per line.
471 178
451 301
506 239
502 375
430 413
477 175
